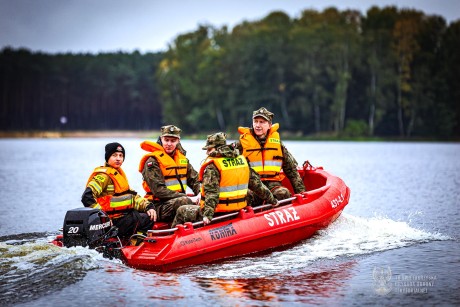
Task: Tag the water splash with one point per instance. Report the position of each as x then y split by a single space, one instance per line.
31 267
348 236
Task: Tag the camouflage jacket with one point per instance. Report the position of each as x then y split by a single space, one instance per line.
156 181
289 166
211 180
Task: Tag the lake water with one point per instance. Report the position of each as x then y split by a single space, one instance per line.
396 243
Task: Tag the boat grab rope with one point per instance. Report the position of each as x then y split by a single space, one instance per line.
307 166
226 216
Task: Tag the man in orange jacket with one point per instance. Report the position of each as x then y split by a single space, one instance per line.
108 189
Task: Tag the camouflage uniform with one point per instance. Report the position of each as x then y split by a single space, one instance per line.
169 200
211 180
289 165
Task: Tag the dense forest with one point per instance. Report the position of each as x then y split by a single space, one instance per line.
78 91
390 73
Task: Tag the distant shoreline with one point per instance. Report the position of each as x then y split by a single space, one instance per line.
78 134
145 134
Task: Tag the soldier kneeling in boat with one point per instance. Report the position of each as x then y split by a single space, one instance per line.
226 178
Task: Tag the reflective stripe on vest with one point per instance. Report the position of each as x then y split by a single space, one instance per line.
113 205
121 201
267 161
172 182
233 186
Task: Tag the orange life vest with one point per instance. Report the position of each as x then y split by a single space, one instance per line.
267 161
121 200
174 169
233 186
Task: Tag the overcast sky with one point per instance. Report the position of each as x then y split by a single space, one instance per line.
150 25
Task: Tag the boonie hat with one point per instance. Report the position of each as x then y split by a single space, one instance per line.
264 113
215 140
111 148
170 130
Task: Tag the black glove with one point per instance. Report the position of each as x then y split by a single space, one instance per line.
150 206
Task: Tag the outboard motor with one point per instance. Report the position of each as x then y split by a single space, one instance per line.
87 227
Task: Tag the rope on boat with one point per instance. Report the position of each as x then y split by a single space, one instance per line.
199 223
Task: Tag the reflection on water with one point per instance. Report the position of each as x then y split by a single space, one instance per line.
162 286
306 286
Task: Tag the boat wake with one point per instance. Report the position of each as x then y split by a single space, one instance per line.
31 267
349 236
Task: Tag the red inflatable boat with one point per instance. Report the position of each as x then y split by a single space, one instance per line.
248 231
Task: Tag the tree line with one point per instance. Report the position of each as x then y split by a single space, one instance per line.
390 73
78 91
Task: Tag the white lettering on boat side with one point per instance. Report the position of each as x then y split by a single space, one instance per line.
337 201
281 216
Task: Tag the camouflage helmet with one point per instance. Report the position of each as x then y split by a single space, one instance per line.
215 140
170 130
264 113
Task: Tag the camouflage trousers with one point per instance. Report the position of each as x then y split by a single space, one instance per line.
166 211
275 187
188 213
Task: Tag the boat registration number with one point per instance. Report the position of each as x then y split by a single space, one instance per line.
281 216
337 201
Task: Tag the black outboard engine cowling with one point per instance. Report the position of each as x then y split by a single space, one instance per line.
87 227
